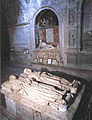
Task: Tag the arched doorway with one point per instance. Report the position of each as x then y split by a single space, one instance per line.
46 28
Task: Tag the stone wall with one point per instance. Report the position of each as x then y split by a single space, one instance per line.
75 31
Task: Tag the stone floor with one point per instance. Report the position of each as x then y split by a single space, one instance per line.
84 111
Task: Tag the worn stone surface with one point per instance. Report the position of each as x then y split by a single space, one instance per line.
25 112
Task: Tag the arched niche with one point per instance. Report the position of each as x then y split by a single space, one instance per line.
46 28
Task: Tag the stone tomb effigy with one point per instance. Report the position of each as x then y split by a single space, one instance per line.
48 94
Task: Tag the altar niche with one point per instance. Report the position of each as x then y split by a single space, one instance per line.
46 30
47 38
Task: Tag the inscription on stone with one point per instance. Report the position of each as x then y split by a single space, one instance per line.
49 35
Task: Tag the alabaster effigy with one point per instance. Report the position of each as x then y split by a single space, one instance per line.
43 89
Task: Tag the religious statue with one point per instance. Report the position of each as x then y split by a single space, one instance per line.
43 45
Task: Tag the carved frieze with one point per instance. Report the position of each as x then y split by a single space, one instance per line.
48 57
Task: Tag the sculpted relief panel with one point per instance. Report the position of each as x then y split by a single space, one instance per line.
72 38
72 29
71 17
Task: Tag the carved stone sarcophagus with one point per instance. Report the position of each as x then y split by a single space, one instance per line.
43 92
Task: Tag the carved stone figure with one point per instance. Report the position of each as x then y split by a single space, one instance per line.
72 39
42 88
71 17
43 45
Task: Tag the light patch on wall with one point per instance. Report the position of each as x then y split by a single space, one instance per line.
49 61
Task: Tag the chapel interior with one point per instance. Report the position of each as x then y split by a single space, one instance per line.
46 38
